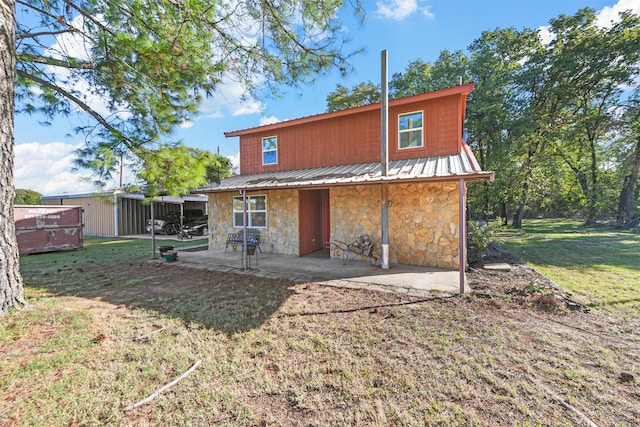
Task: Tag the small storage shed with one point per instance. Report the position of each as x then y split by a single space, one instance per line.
121 214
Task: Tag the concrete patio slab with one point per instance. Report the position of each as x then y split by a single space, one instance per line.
408 279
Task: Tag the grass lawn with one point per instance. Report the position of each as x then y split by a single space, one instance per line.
601 266
106 327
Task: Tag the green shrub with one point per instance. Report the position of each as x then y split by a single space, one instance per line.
481 236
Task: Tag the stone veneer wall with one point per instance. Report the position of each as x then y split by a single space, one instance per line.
424 224
354 211
281 235
423 221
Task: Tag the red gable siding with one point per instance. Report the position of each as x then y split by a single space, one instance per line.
354 137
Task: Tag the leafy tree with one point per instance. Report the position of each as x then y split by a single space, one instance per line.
496 116
362 94
415 79
138 68
547 116
590 66
27 197
450 69
629 158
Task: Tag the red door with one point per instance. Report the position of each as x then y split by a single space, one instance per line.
313 219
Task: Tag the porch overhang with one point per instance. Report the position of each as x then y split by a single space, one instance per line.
428 169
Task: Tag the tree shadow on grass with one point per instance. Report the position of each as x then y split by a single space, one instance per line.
226 302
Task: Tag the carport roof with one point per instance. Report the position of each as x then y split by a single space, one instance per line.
441 168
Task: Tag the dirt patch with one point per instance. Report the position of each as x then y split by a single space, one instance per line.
521 283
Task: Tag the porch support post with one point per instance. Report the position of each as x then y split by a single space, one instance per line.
384 161
115 214
244 229
181 214
463 234
153 230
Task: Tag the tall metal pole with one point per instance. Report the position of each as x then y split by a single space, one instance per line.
463 233
384 160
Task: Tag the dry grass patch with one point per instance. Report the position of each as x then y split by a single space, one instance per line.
279 354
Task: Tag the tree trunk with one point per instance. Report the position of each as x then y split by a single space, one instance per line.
592 193
11 288
517 217
629 190
503 213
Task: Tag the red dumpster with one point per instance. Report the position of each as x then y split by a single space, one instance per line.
48 228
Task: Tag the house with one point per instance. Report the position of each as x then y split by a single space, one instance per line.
121 214
319 179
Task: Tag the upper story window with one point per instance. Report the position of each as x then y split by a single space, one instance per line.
410 130
270 150
256 212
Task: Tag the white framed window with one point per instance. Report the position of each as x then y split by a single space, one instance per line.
256 211
410 134
270 150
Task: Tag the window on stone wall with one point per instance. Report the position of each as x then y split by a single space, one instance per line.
256 211
410 130
270 150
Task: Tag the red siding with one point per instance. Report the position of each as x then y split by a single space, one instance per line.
354 138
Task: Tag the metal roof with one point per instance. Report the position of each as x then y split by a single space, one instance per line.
418 169
135 196
455 90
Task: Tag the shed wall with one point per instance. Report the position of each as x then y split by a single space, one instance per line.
98 213
132 214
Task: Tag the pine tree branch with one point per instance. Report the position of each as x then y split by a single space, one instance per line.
46 60
84 106
87 15
45 33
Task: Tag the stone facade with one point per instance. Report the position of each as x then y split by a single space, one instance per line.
354 211
424 224
281 234
423 221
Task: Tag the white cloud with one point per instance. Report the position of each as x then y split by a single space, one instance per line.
235 163
426 11
46 168
230 97
610 13
216 115
401 9
604 18
545 34
268 120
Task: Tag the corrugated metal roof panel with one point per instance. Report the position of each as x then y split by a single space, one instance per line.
425 168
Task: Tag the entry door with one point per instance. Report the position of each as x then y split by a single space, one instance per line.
313 219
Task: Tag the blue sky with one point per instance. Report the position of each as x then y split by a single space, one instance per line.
407 29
